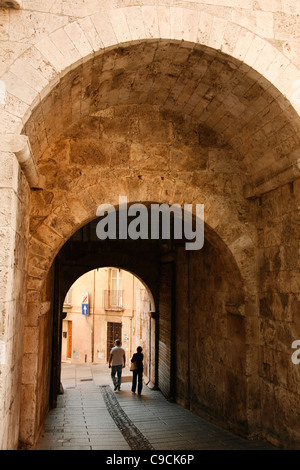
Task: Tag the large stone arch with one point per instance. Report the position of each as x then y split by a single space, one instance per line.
236 299
35 72
67 46
50 58
75 204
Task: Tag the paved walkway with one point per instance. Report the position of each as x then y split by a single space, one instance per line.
91 416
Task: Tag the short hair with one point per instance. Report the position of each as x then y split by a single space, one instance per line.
139 349
118 341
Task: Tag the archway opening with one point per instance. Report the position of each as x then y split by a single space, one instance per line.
196 333
128 140
101 306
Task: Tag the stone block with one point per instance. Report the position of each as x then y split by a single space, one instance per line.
242 44
235 404
104 28
285 83
236 328
275 69
28 398
264 24
269 5
31 341
196 157
253 395
15 106
134 18
266 58
286 26
150 20
244 18
176 23
4 23
91 33
136 154
47 236
66 47
149 157
119 25
290 7
30 75
32 314
78 37
35 271
163 13
204 27
293 383
54 56
29 27
9 206
158 132
252 330
219 26
16 86
254 51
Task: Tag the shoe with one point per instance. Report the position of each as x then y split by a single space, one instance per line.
116 386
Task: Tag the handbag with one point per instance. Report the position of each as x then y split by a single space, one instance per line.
133 366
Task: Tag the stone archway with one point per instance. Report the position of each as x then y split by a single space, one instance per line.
148 152
182 313
84 252
247 130
66 43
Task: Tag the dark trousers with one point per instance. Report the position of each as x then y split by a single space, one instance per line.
137 377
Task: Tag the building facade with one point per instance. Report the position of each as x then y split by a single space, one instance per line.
101 306
174 102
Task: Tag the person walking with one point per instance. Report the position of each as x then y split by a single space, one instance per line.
116 363
137 377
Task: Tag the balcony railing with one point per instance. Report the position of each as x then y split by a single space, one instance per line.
113 299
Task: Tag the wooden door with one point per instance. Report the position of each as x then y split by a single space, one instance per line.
69 347
114 331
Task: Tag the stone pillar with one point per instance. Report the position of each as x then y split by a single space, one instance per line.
166 330
14 202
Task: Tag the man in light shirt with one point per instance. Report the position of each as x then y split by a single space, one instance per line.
116 363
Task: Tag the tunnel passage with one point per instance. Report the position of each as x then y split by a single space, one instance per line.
185 124
84 252
199 353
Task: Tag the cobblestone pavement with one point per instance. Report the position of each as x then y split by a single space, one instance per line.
90 416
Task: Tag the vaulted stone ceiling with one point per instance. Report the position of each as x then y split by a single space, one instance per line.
218 99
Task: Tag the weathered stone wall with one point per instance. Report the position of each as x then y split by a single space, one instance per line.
150 156
47 39
166 327
216 341
36 363
14 219
279 285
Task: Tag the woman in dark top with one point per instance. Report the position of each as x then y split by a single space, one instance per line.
138 373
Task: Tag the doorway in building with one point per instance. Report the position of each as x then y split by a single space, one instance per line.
69 337
114 331
67 340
